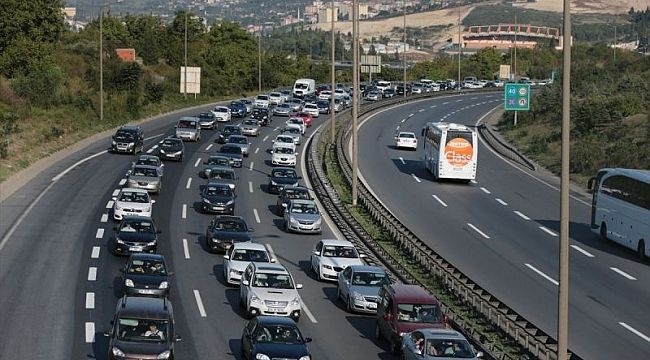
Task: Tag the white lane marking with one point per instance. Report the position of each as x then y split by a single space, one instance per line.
109 204
421 110
416 178
440 201
99 234
478 230
547 230
402 160
521 215
433 106
473 182
250 186
208 147
90 332
251 166
623 273
459 100
199 303
276 128
474 98
150 151
198 161
542 274
189 182
257 150
635 331
90 300
501 202
104 218
95 253
411 115
307 312
485 190
583 251
184 212
271 251
154 147
257 216
265 138
61 174
115 192
403 120
445 103
122 182
186 249
92 273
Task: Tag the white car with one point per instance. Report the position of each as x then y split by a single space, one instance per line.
293 131
222 113
331 256
406 140
311 109
284 154
276 98
269 289
299 122
283 139
325 95
261 101
239 256
132 202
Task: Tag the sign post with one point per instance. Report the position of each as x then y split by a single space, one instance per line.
517 98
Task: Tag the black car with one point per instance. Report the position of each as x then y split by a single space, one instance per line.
218 198
135 234
262 116
207 120
224 230
310 98
324 106
274 336
212 162
282 177
227 131
288 194
388 93
232 152
128 139
238 109
146 275
171 148
142 328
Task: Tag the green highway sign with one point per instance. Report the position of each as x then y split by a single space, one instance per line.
517 97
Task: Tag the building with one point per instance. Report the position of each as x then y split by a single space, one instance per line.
325 14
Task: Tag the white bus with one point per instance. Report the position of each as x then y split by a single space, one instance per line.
620 207
450 150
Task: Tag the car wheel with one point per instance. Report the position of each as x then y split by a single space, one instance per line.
338 292
286 226
640 250
348 305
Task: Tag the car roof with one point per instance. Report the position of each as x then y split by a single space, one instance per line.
146 166
222 168
367 268
147 256
130 127
228 217
271 267
434 333
411 294
274 320
336 242
147 156
249 246
144 307
138 190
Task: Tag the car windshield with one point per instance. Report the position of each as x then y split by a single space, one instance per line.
146 172
231 130
221 109
250 123
218 191
154 267
284 173
230 225
454 348
222 174
296 121
374 279
218 161
418 313
262 97
132 196
136 226
230 150
341 251
206 116
250 255
169 143
284 139
278 334
124 135
304 209
237 140
296 194
292 130
283 150
271 280
148 161
142 330
187 124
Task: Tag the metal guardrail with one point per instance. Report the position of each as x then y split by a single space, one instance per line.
534 340
504 148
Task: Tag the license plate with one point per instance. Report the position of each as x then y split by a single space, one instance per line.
372 306
135 248
148 292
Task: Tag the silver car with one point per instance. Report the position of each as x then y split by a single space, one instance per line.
151 160
241 141
132 202
188 128
223 175
144 177
302 216
250 127
294 132
358 287
429 344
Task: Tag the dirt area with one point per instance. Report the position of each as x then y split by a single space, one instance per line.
589 6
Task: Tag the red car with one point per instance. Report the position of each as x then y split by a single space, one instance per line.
305 116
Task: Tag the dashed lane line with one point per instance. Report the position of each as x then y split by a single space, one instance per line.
547 230
109 204
402 160
583 251
199 303
416 178
104 218
250 167
257 150
94 254
265 138
90 300
198 161
635 331
99 234
122 182
189 182
485 190
555 282
184 212
501 202
439 200
92 273
622 273
478 230
115 192
250 186
90 332
208 147
521 215
186 249
257 216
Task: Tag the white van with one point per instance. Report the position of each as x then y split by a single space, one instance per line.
304 87
384 85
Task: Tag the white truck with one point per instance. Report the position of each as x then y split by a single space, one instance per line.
304 87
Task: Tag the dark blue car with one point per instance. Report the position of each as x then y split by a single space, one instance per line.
238 109
274 336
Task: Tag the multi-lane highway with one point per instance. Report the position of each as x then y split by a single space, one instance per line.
502 231
60 284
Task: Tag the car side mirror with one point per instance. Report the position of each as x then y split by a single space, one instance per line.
245 282
227 257
284 205
274 260
317 253
308 339
178 338
153 201
114 198
298 286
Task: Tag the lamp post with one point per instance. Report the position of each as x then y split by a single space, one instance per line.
404 48
185 55
101 58
355 99
460 46
332 100
259 60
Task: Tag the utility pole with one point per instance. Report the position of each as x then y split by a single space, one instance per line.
460 51
101 64
185 76
333 71
355 100
515 60
404 49
259 60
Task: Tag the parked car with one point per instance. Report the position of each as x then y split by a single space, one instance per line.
218 197
288 194
237 109
358 287
281 178
406 140
135 234
250 127
302 216
222 113
171 148
241 141
151 160
146 275
211 162
282 110
207 120
271 337
330 256
269 289
239 256
132 202
225 230
232 152
430 344
188 129
144 177
128 139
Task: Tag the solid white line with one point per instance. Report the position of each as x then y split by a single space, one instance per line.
623 273
251 166
90 332
199 303
305 309
478 230
416 178
547 230
485 190
67 170
402 160
635 331
189 182
583 251
99 234
440 201
104 218
92 273
115 192
265 138
257 216
501 202
90 300
184 212
122 182
208 147
109 204
542 274
198 161
95 253
521 215
186 249
257 150
250 186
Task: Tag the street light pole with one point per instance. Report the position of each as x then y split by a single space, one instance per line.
259 60
460 46
355 99
101 64
404 48
333 71
185 76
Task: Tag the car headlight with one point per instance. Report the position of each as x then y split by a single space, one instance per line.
230 202
306 357
327 267
318 221
262 357
295 301
255 299
117 352
164 355
293 221
233 271
117 206
357 297
162 151
163 285
274 183
206 201
151 243
114 143
147 209
119 241
128 283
